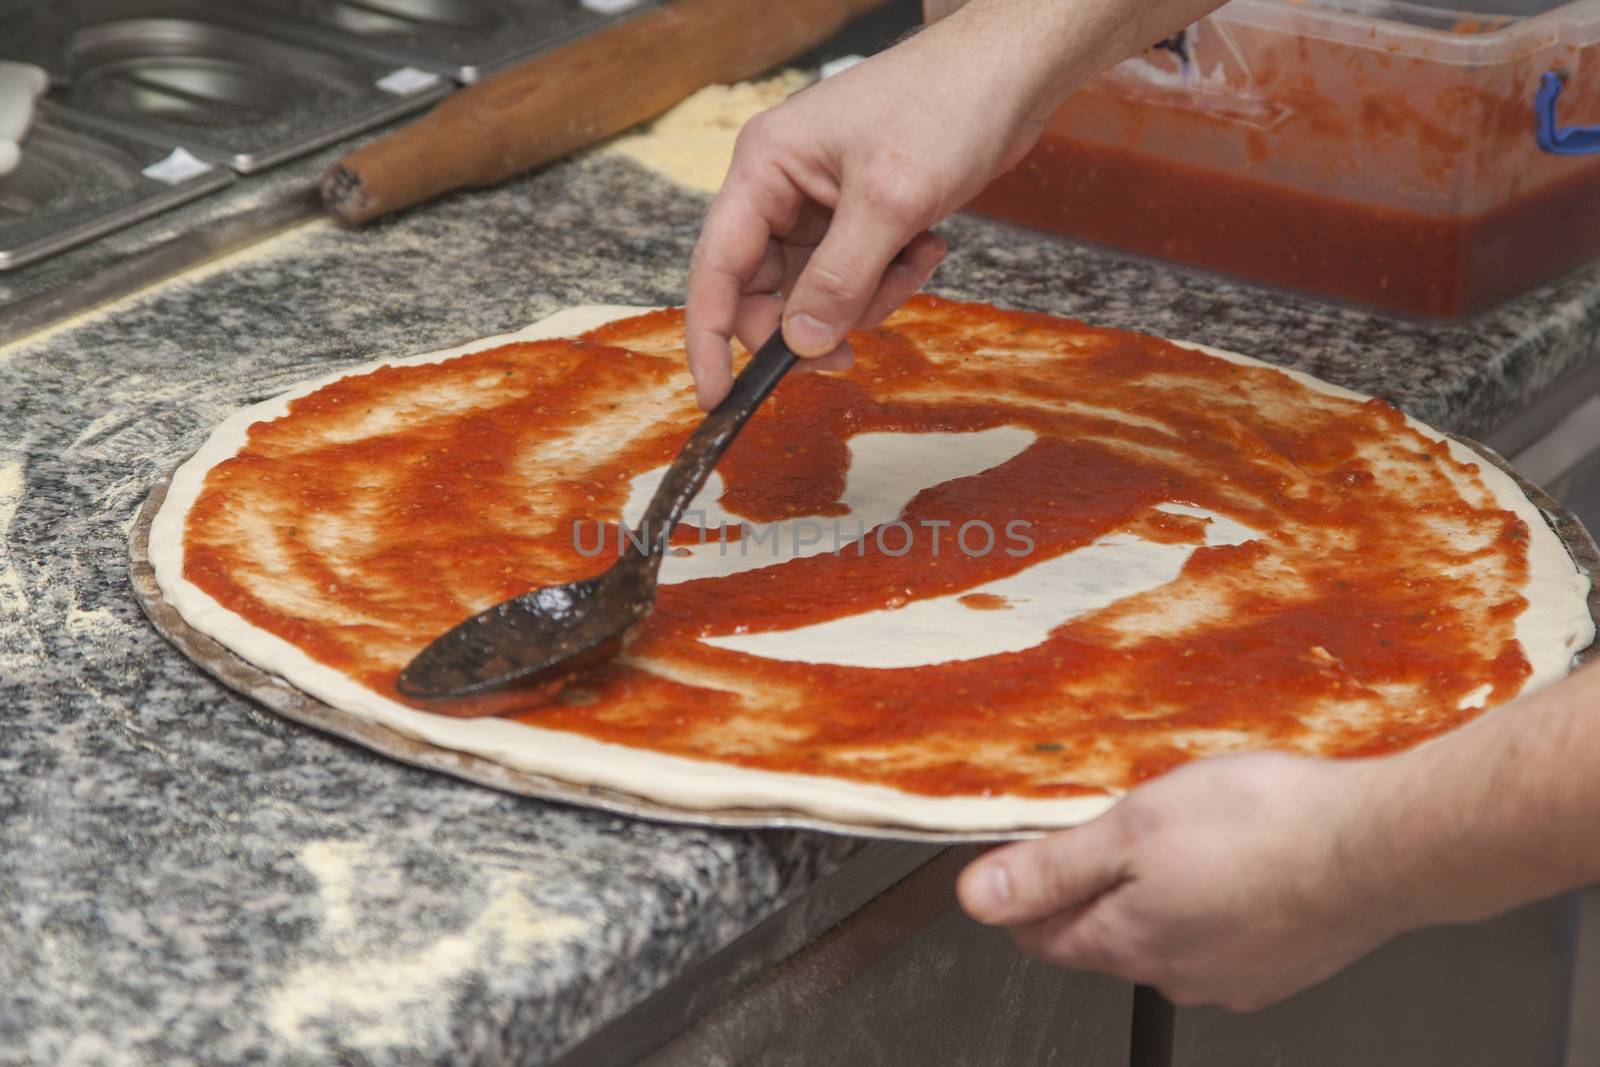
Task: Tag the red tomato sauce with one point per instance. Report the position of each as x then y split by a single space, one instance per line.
1431 266
450 521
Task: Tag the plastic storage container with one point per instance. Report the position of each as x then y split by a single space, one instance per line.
1381 154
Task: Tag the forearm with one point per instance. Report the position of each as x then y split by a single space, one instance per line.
1047 48
1503 812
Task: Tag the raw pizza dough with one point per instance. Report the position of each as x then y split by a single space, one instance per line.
885 471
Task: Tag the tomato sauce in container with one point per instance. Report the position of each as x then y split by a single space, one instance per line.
1376 154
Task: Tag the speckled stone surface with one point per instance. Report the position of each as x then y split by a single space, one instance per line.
186 879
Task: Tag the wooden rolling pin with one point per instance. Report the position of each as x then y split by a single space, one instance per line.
570 98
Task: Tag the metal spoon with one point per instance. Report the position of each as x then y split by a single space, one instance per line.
547 634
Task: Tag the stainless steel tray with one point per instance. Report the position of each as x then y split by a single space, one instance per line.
76 182
278 695
466 39
238 90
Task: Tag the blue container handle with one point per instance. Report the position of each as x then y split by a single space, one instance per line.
1571 141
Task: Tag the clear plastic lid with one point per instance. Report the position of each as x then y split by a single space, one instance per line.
1470 32
1457 16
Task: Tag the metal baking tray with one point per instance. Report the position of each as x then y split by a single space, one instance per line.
242 91
76 183
466 39
250 680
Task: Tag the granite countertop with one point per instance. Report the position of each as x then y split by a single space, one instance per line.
185 878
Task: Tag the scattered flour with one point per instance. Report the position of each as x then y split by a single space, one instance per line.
13 597
20 647
375 994
693 143
93 624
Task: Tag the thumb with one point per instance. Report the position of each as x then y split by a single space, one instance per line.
842 275
1033 880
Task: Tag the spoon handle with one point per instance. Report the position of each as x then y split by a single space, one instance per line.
711 439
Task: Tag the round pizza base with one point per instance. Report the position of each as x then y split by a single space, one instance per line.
265 688
246 678
284 698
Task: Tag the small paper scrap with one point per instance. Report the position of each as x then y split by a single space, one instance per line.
178 166
407 80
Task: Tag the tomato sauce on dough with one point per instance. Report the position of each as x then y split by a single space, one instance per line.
1379 590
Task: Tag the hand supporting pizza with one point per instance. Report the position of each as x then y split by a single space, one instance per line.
1226 881
1242 880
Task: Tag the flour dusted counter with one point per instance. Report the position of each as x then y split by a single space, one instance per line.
186 878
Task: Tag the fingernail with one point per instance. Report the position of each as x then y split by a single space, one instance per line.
992 889
807 335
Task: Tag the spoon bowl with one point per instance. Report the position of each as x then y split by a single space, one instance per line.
538 639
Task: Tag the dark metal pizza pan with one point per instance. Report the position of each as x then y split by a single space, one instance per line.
278 695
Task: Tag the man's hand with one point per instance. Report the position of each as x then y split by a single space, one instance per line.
822 223
1235 881
1240 880
823 218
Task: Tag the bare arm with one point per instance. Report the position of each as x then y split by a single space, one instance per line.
1502 813
823 220
1243 879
